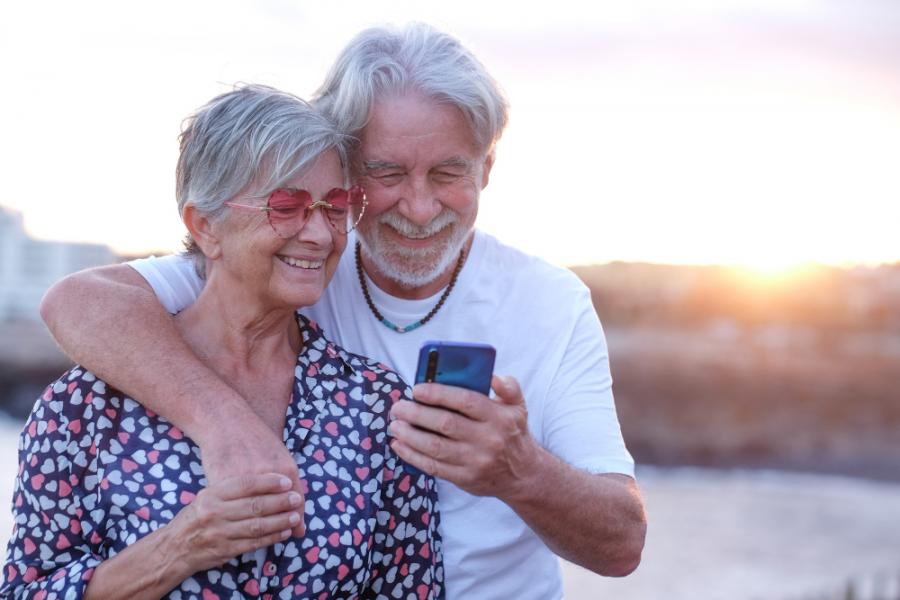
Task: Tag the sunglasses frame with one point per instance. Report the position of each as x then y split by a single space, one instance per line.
307 211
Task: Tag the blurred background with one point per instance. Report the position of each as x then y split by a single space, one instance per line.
722 175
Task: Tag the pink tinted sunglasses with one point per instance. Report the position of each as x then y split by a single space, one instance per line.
288 209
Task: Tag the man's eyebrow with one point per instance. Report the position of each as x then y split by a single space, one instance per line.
373 165
455 161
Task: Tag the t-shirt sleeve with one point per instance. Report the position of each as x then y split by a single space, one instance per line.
173 279
580 421
54 547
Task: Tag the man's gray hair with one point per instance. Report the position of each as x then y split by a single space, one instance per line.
249 141
413 58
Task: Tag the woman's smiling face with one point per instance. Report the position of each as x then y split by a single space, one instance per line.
281 272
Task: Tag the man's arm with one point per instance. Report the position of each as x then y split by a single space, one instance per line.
484 447
109 320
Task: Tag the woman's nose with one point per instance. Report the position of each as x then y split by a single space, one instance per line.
316 227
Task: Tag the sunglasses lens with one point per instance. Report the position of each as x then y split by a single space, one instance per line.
286 210
337 197
337 208
356 195
356 198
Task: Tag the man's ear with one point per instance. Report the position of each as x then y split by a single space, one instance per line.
201 231
486 169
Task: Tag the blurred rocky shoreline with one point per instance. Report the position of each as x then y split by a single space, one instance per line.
689 398
716 366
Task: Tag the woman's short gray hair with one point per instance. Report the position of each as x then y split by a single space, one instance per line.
419 58
251 140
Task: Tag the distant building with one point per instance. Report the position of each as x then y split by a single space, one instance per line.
28 267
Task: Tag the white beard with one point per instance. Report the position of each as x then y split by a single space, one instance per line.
413 267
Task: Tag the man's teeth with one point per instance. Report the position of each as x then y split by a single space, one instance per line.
414 235
302 263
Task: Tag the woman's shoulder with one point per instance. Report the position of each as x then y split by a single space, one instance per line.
80 401
74 391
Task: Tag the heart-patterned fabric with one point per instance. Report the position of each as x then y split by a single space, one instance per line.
98 471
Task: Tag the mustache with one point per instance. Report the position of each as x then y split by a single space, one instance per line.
394 219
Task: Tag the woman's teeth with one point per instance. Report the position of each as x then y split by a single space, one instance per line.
302 263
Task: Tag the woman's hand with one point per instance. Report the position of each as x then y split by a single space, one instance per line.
226 519
233 516
237 443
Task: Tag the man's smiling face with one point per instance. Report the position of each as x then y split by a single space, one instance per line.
423 174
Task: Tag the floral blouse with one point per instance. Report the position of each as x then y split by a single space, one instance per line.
98 471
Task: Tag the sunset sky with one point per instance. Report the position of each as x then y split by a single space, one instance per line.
763 133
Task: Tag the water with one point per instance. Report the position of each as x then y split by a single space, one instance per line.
715 534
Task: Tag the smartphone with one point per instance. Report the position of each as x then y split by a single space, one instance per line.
461 364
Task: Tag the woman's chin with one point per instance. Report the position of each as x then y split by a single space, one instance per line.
300 287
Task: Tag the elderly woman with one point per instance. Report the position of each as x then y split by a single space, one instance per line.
111 499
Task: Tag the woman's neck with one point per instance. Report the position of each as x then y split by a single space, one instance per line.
236 335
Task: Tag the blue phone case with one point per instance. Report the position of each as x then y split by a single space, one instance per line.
461 364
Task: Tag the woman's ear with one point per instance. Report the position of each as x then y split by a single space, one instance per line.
202 231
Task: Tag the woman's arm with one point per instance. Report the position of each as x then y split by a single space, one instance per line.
50 550
58 544
225 520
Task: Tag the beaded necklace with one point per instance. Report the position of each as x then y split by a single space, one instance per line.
382 319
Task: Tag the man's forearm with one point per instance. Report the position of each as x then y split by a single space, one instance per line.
594 520
484 446
110 321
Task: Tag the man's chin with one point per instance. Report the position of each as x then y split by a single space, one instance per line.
412 265
408 272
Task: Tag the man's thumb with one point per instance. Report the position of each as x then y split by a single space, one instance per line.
507 389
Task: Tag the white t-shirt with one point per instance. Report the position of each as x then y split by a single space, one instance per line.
547 335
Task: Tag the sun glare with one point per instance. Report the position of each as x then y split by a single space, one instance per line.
773 272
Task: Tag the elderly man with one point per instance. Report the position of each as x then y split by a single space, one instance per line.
539 469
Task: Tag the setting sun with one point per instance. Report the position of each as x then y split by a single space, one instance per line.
774 273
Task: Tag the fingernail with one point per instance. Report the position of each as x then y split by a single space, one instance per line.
294 499
285 483
294 518
285 534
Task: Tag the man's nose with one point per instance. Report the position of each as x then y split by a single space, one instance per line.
419 203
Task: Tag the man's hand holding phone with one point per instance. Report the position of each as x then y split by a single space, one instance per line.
481 444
